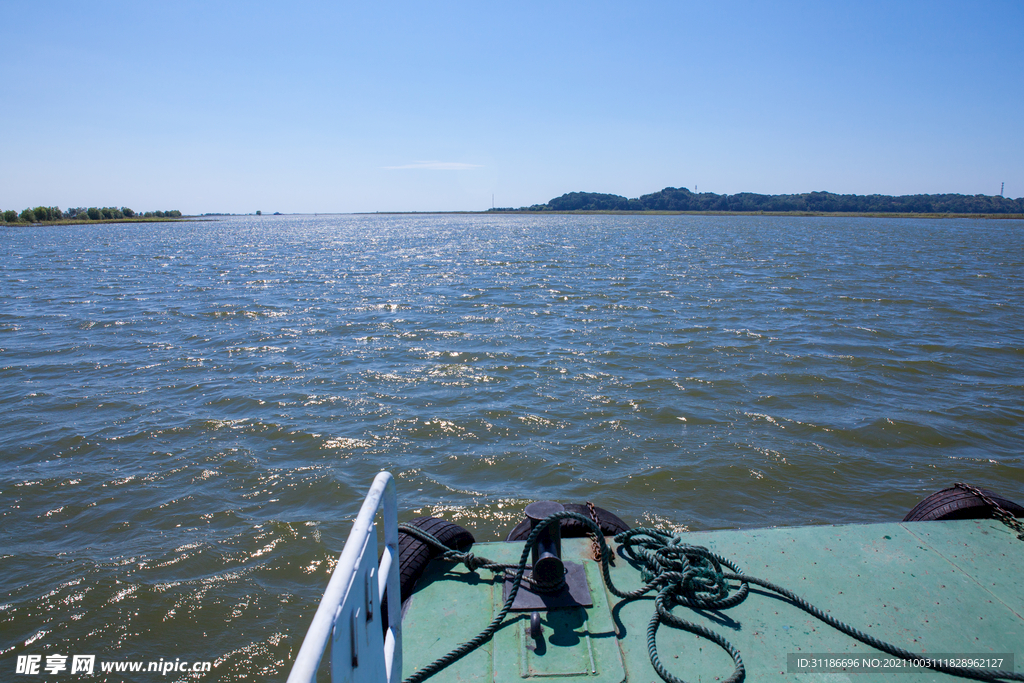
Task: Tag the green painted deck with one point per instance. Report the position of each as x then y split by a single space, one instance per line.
952 588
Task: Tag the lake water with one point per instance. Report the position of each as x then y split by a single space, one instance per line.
190 413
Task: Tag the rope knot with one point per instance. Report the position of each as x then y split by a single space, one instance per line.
473 562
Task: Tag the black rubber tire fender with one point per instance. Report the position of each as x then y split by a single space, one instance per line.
610 523
958 503
414 554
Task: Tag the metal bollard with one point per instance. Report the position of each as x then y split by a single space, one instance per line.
547 551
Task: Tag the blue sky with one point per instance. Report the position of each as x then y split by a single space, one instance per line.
340 107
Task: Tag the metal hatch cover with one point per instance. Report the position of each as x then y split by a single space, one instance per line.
577 643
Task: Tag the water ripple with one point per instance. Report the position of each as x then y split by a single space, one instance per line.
190 413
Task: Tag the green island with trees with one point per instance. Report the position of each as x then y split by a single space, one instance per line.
107 214
682 200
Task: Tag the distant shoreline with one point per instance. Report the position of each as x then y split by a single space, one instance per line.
581 212
610 212
72 221
680 199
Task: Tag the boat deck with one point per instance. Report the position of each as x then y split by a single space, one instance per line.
944 589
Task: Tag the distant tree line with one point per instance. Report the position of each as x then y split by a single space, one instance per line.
681 199
42 214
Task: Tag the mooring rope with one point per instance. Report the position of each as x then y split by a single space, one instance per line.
683 575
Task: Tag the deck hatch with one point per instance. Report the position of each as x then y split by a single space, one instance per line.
577 643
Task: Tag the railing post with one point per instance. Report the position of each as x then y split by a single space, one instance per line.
390 582
341 584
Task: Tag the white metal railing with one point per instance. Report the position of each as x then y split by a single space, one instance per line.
349 615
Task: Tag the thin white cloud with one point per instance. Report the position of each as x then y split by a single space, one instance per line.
434 166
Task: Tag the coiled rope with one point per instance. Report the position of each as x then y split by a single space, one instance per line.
683 575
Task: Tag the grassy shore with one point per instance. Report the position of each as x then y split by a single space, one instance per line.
65 221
